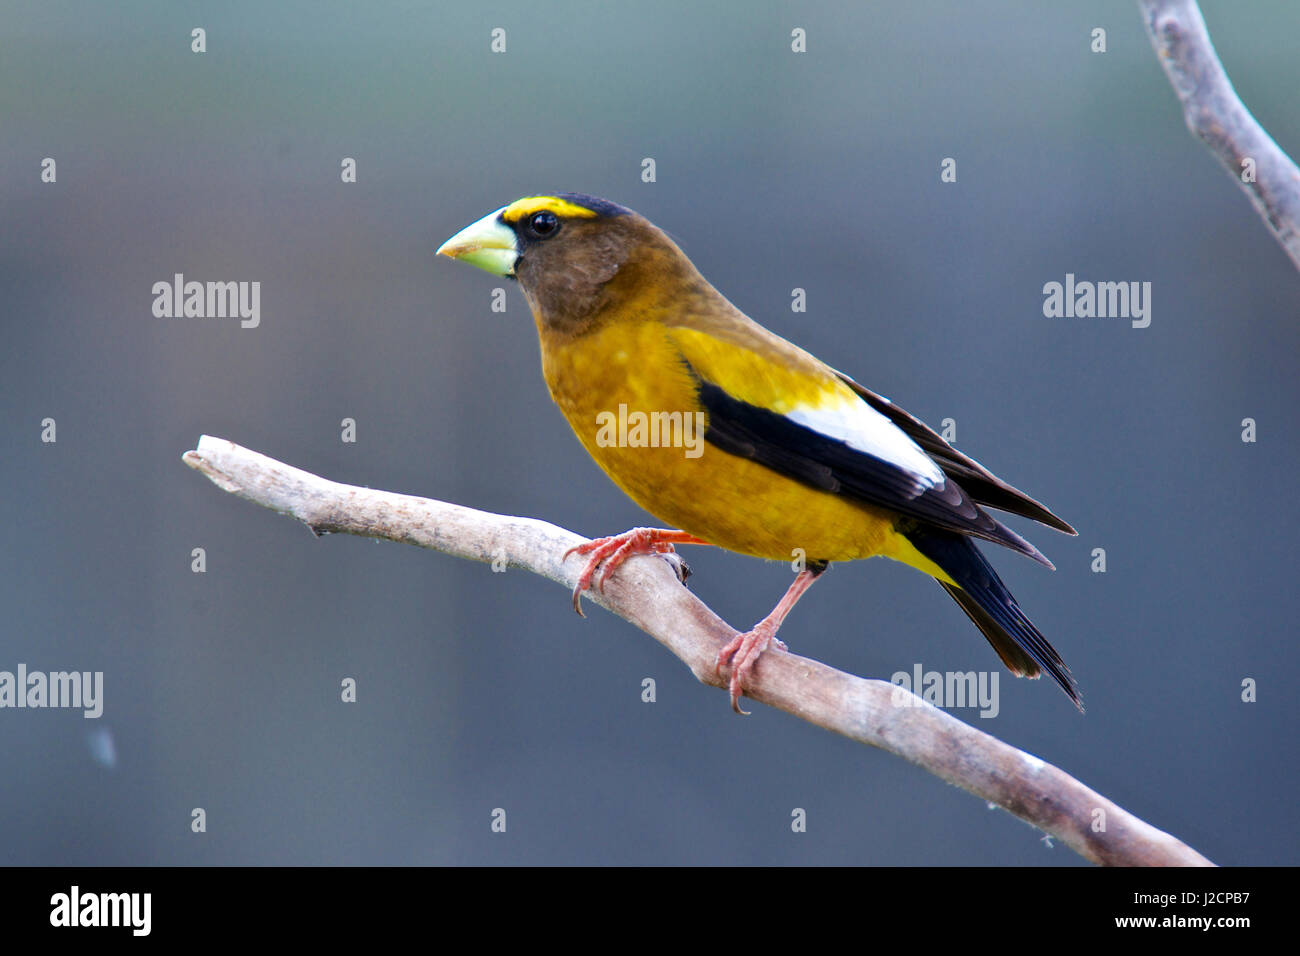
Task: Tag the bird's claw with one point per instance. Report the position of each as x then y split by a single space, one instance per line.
741 654
679 566
614 550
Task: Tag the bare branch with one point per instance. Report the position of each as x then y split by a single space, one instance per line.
648 594
1217 116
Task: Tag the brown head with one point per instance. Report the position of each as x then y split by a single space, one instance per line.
577 258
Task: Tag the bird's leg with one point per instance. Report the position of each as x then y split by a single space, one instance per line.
616 549
744 650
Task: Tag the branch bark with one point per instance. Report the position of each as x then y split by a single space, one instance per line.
648 594
1216 115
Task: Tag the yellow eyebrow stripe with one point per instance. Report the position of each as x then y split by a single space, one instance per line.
531 204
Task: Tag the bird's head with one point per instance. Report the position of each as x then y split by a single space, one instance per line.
573 255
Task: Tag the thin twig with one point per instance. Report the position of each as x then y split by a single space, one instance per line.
648 594
1216 115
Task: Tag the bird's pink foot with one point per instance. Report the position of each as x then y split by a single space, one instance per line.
744 650
742 654
614 550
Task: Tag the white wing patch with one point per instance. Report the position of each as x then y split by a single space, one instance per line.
854 422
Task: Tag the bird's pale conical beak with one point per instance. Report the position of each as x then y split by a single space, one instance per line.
489 244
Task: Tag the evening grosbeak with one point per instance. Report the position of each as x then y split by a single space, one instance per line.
737 438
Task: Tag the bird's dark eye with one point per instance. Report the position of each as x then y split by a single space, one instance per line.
543 224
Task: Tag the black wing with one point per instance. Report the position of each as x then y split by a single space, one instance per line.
828 464
980 483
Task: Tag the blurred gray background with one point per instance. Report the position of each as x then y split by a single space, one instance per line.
774 171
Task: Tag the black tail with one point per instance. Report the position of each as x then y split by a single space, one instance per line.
988 603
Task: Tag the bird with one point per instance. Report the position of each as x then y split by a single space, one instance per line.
737 438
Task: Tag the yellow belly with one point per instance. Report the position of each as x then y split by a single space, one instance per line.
611 382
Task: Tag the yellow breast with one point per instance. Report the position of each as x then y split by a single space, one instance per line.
631 400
